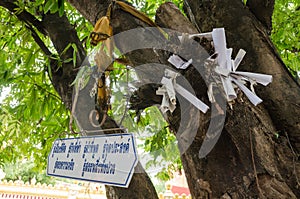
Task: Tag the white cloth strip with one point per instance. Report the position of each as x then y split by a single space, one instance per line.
227 70
176 61
170 89
169 95
254 99
257 77
228 59
238 59
191 98
228 88
207 35
219 40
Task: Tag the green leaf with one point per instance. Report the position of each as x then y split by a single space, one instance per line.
49 5
54 8
66 48
68 60
75 50
61 7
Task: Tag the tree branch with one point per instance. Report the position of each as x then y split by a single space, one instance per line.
30 23
62 33
39 41
45 49
263 10
23 15
92 10
169 10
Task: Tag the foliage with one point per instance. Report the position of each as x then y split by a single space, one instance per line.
150 6
157 144
32 115
25 171
286 33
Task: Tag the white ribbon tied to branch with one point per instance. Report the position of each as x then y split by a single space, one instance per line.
168 91
227 70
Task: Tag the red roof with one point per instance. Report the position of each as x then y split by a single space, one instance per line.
180 190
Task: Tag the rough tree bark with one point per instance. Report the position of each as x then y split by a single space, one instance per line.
62 33
248 161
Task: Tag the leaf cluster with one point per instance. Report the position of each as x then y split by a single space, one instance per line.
286 33
32 114
26 172
149 7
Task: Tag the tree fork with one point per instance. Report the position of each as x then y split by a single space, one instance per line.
232 144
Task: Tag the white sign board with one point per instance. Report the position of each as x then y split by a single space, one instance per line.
108 159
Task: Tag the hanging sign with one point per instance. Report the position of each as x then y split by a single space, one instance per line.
108 159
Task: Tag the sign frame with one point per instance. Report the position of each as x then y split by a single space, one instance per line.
131 171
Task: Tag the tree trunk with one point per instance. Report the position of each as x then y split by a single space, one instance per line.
62 33
247 161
